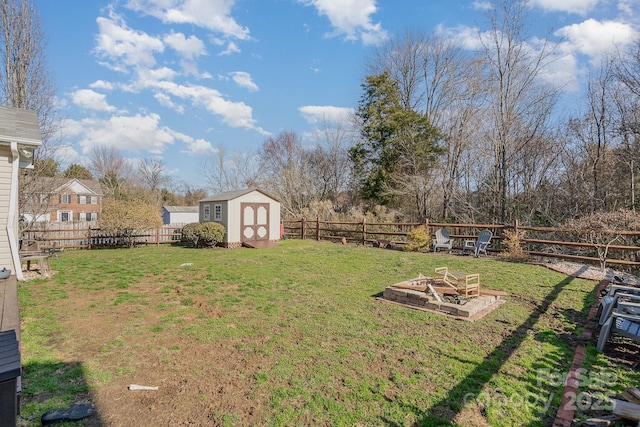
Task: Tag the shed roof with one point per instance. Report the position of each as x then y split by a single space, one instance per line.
21 126
230 195
181 209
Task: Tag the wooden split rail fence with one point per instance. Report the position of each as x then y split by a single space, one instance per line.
538 241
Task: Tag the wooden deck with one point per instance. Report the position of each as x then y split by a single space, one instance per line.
9 315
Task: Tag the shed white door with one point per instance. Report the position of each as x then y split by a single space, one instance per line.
254 224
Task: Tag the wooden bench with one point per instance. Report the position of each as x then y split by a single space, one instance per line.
41 258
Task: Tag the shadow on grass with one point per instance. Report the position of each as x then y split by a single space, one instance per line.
444 411
55 385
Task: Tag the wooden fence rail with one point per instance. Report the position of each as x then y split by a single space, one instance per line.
539 241
83 236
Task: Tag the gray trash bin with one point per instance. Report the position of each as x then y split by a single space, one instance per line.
10 368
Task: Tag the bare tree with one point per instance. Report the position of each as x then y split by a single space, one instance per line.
520 104
442 82
232 172
627 119
329 163
152 176
193 195
627 68
26 83
110 168
592 133
285 173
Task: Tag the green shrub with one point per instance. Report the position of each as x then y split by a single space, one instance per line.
419 239
191 234
210 233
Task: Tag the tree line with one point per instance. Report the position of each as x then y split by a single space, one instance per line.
452 134
440 132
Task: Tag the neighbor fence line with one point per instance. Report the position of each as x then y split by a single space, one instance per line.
83 235
538 241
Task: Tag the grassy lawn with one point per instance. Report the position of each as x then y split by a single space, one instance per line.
294 336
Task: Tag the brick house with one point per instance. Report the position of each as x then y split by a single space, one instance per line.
65 200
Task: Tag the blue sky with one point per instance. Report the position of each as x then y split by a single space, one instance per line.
177 79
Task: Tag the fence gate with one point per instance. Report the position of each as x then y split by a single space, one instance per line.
254 224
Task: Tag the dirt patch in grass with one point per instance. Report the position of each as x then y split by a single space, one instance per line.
149 343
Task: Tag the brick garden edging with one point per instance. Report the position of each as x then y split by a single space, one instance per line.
565 414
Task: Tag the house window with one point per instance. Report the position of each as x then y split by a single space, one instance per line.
65 198
206 212
65 216
91 216
94 200
217 212
85 200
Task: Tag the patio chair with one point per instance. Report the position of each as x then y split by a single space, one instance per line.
480 244
609 301
620 323
442 240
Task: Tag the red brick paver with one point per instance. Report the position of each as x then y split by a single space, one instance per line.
566 412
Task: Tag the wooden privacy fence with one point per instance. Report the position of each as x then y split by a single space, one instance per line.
79 235
538 241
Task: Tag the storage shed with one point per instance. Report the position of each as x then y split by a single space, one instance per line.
250 217
180 214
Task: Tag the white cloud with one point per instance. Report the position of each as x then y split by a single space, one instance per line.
157 74
166 101
231 49
128 133
101 84
465 36
626 7
482 5
66 154
200 147
580 7
351 18
235 114
87 98
562 71
124 46
243 79
326 113
594 38
188 47
214 15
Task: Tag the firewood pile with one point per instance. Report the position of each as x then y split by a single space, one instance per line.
625 411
